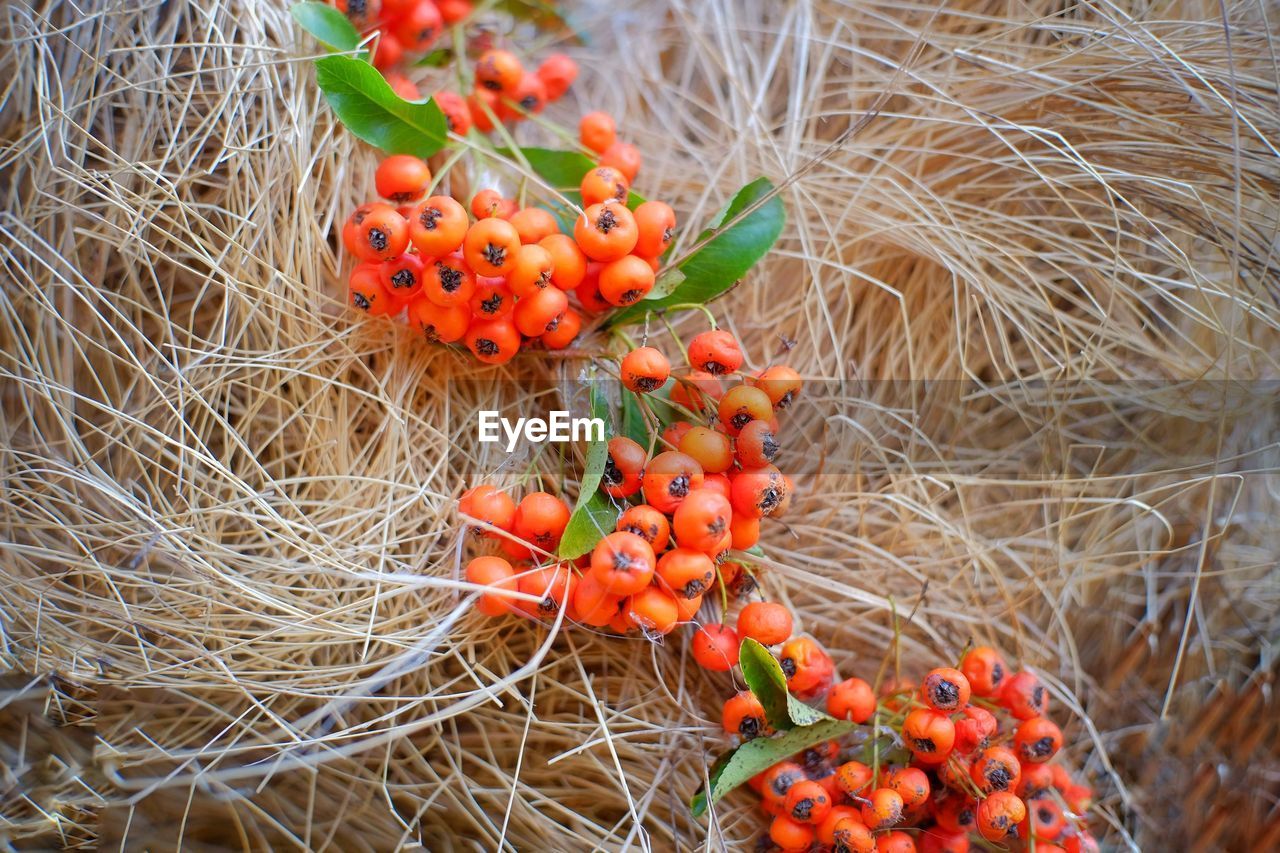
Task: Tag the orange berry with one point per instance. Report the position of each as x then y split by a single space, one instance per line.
595 605
675 432
437 226
1036 781
448 282
402 178
626 280
483 106
439 325
956 813
688 607
498 71
929 734
781 383
741 405
985 670
998 816
686 572
852 699
388 53
883 809
996 769
778 780
744 532
975 729
827 828
568 264
850 835
669 479
490 505
530 270
623 563
533 224
492 572
791 836
758 492
554 583
597 131
710 449
402 276
361 12
766 622
488 203
454 11
491 299
604 183
853 777
588 290
945 689
647 523
530 95
624 157
540 312
605 232
493 341
911 783
366 293
557 73
623 467
379 233
644 369
655 226
807 667
715 647
541 519
1037 740
807 802
895 842
490 247
1025 696
419 29
744 715
695 390
566 330
653 610
1045 821
717 352
757 445
456 113
701 520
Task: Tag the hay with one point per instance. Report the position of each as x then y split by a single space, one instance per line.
227 507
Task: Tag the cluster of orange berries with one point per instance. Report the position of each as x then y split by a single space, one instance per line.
971 756
407 27
505 278
505 91
687 507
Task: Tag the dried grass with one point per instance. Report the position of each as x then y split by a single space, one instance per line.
227 507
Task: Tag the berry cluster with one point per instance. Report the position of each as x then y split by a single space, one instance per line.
971 755
505 91
406 27
687 506
502 280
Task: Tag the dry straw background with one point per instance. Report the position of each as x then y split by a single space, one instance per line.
228 549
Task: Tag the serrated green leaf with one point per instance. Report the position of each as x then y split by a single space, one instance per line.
329 26
726 257
366 104
593 515
758 755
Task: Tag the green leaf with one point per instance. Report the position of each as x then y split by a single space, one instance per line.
369 108
593 515
563 171
764 676
329 26
758 755
755 551
726 257
436 58
665 284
